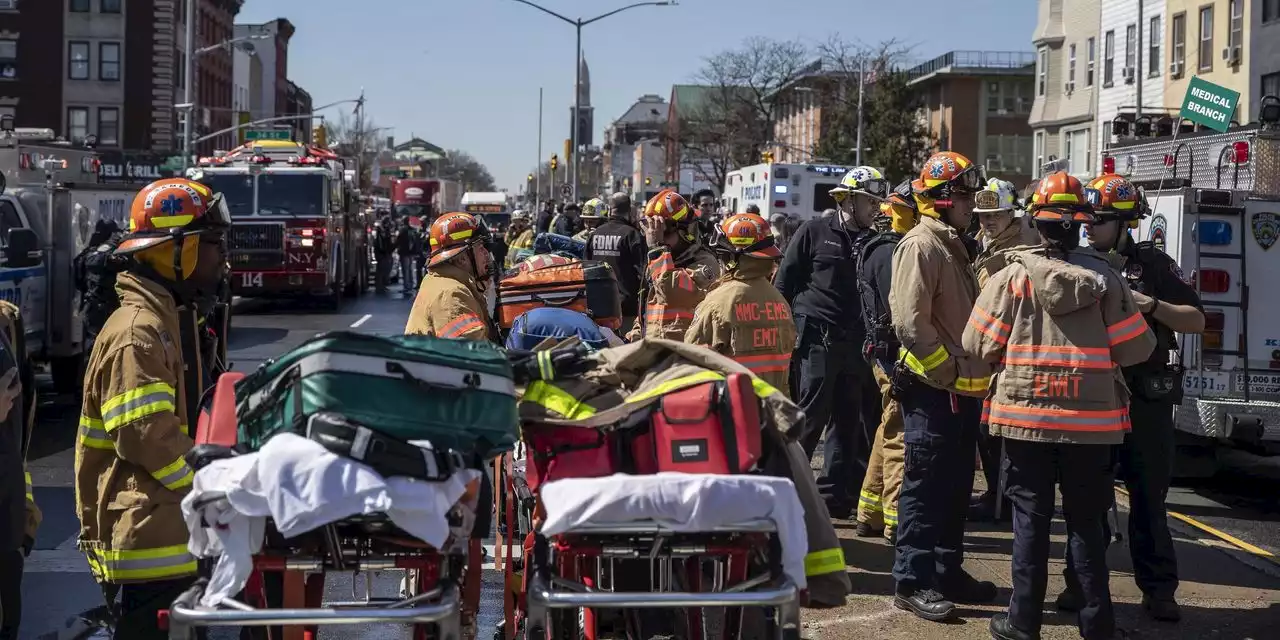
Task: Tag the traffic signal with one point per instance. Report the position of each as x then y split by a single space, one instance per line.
648 181
320 136
568 148
555 161
529 178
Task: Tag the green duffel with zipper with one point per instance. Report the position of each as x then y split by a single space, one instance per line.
457 394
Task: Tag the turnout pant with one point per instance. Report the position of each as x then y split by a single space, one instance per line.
939 432
989 453
837 391
140 604
1146 466
1083 474
878 501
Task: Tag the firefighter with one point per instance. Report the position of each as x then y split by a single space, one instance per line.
519 238
939 387
1057 321
17 414
384 247
1170 305
593 214
620 244
134 420
680 270
451 302
835 385
744 317
878 500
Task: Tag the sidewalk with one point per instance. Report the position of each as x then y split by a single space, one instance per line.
1222 598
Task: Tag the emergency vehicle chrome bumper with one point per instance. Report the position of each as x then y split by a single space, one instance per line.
185 615
1230 419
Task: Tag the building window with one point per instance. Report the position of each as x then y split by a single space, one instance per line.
1071 65
109 126
1009 154
1042 72
1075 145
110 6
8 59
1153 47
109 61
1206 38
1270 10
1130 46
1038 152
1178 48
993 97
1108 58
80 6
77 123
1236 37
1090 51
78 60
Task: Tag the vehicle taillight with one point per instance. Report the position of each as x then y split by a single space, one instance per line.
1214 323
1240 152
780 204
1213 232
1212 280
1108 165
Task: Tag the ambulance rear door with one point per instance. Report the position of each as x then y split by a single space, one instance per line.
1259 233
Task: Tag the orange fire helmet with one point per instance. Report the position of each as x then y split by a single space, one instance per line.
747 234
452 233
670 205
1113 197
1061 197
171 209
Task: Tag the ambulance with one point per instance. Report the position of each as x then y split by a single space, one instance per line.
50 202
802 190
1215 201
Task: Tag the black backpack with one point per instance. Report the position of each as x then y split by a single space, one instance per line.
95 269
881 341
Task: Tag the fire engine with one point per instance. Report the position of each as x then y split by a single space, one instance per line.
297 226
1215 201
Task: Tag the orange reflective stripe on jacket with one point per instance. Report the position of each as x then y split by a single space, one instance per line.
684 280
1058 419
663 313
765 363
1128 329
461 325
989 325
1064 356
661 264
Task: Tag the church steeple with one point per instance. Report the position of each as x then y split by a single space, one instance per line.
584 86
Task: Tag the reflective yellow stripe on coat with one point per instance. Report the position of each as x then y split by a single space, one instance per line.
137 403
135 565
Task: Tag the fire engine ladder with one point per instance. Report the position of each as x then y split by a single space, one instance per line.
1217 204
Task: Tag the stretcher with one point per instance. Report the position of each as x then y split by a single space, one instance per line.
285 594
606 579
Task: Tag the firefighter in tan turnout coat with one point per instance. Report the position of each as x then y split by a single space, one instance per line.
131 473
681 269
744 316
450 302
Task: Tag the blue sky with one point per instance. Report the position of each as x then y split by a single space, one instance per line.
465 73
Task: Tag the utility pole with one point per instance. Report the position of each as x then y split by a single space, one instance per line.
577 107
538 172
862 85
188 128
1137 71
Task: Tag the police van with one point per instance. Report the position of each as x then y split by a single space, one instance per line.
50 201
802 190
1215 202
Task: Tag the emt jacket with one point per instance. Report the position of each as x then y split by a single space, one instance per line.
1059 332
673 288
745 318
994 256
449 305
930 299
130 471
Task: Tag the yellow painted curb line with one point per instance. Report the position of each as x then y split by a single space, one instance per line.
1221 535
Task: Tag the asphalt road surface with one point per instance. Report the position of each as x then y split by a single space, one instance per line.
1238 505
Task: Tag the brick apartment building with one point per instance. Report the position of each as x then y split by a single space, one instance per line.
114 69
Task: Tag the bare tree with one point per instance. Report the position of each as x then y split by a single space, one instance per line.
463 167
345 132
733 120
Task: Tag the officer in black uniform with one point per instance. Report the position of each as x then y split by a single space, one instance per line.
620 244
1170 305
833 383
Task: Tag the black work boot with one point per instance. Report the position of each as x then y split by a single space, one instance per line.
927 604
966 589
1070 600
1162 609
864 530
1002 629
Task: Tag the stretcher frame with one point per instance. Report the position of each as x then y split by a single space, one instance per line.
558 573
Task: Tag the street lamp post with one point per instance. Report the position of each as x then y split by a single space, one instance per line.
577 66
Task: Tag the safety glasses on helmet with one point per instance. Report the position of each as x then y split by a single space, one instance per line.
878 188
217 215
970 180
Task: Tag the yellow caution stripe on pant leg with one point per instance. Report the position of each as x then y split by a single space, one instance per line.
870 501
823 562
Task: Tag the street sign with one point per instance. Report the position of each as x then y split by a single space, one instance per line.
1209 105
566 191
669 184
268 134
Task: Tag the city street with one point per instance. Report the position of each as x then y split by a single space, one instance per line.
1229 592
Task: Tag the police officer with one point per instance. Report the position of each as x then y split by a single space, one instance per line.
835 388
680 268
621 245
1058 313
744 317
1170 305
878 500
451 302
940 387
134 419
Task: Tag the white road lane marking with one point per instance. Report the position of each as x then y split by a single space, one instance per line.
361 321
